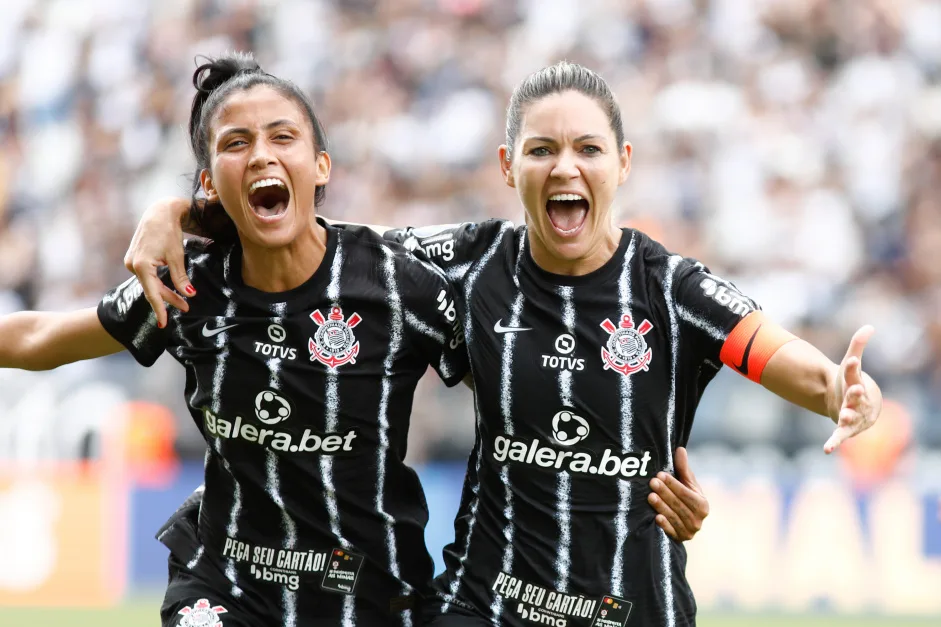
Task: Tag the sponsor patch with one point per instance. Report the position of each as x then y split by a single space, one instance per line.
342 571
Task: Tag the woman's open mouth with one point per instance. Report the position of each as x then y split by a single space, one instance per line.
567 213
269 198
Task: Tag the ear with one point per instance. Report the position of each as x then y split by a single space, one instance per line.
506 166
626 154
205 179
322 168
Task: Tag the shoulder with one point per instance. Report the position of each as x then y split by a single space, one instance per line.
659 262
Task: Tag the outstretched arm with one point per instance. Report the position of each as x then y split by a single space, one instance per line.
43 340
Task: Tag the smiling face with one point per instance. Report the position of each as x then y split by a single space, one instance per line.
566 168
264 166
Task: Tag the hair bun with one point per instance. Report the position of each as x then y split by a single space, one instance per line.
215 72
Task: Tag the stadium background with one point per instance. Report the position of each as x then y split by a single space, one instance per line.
792 145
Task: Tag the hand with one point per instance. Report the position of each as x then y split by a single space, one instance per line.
679 502
157 242
859 405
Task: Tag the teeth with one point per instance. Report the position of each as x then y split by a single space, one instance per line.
566 197
266 183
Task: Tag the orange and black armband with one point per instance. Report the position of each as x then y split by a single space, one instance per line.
752 343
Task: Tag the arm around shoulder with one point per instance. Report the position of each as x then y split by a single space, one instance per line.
44 340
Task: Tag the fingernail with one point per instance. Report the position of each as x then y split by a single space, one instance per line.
654 484
662 476
190 290
160 325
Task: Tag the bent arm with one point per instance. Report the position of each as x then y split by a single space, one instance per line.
43 340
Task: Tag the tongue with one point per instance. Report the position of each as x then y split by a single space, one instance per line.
566 215
267 212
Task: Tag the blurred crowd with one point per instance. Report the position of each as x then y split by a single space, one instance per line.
792 145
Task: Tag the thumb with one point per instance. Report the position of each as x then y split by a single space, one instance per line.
683 472
859 341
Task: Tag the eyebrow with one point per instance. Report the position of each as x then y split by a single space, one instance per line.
244 131
580 138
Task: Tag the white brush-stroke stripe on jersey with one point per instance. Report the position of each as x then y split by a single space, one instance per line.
665 550
621 529
563 492
472 277
218 376
506 408
424 328
395 341
332 408
273 483
701 323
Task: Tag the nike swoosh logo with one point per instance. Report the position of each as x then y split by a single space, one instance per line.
207 332
743 368
499 328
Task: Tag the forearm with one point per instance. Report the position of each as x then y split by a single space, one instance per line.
41 340
801 374
19 340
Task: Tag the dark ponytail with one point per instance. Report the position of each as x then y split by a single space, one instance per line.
214 81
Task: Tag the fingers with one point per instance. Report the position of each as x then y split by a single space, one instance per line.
664 524
859 341
683 508
852 371
683 472
154 295
178 274
172 298
840 435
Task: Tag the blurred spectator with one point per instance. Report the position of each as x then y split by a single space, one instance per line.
793 145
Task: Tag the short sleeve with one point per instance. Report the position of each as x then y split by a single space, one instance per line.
452 247
708 307
434 321
127 316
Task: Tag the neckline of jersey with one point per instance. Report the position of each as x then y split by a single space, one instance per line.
611 266
294 297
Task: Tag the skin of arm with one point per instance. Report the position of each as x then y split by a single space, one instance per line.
798 372
42 340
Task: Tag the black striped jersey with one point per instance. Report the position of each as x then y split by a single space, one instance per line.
585 385
304 399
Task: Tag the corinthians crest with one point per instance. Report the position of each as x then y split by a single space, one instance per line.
626 349
202 614
334 343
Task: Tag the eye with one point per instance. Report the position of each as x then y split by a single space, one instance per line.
284 136
539 151
235 143
591 150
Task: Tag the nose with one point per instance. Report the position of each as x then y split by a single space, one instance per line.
262 156
565 166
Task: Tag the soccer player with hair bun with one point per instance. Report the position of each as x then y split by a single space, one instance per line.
590 347
302 355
